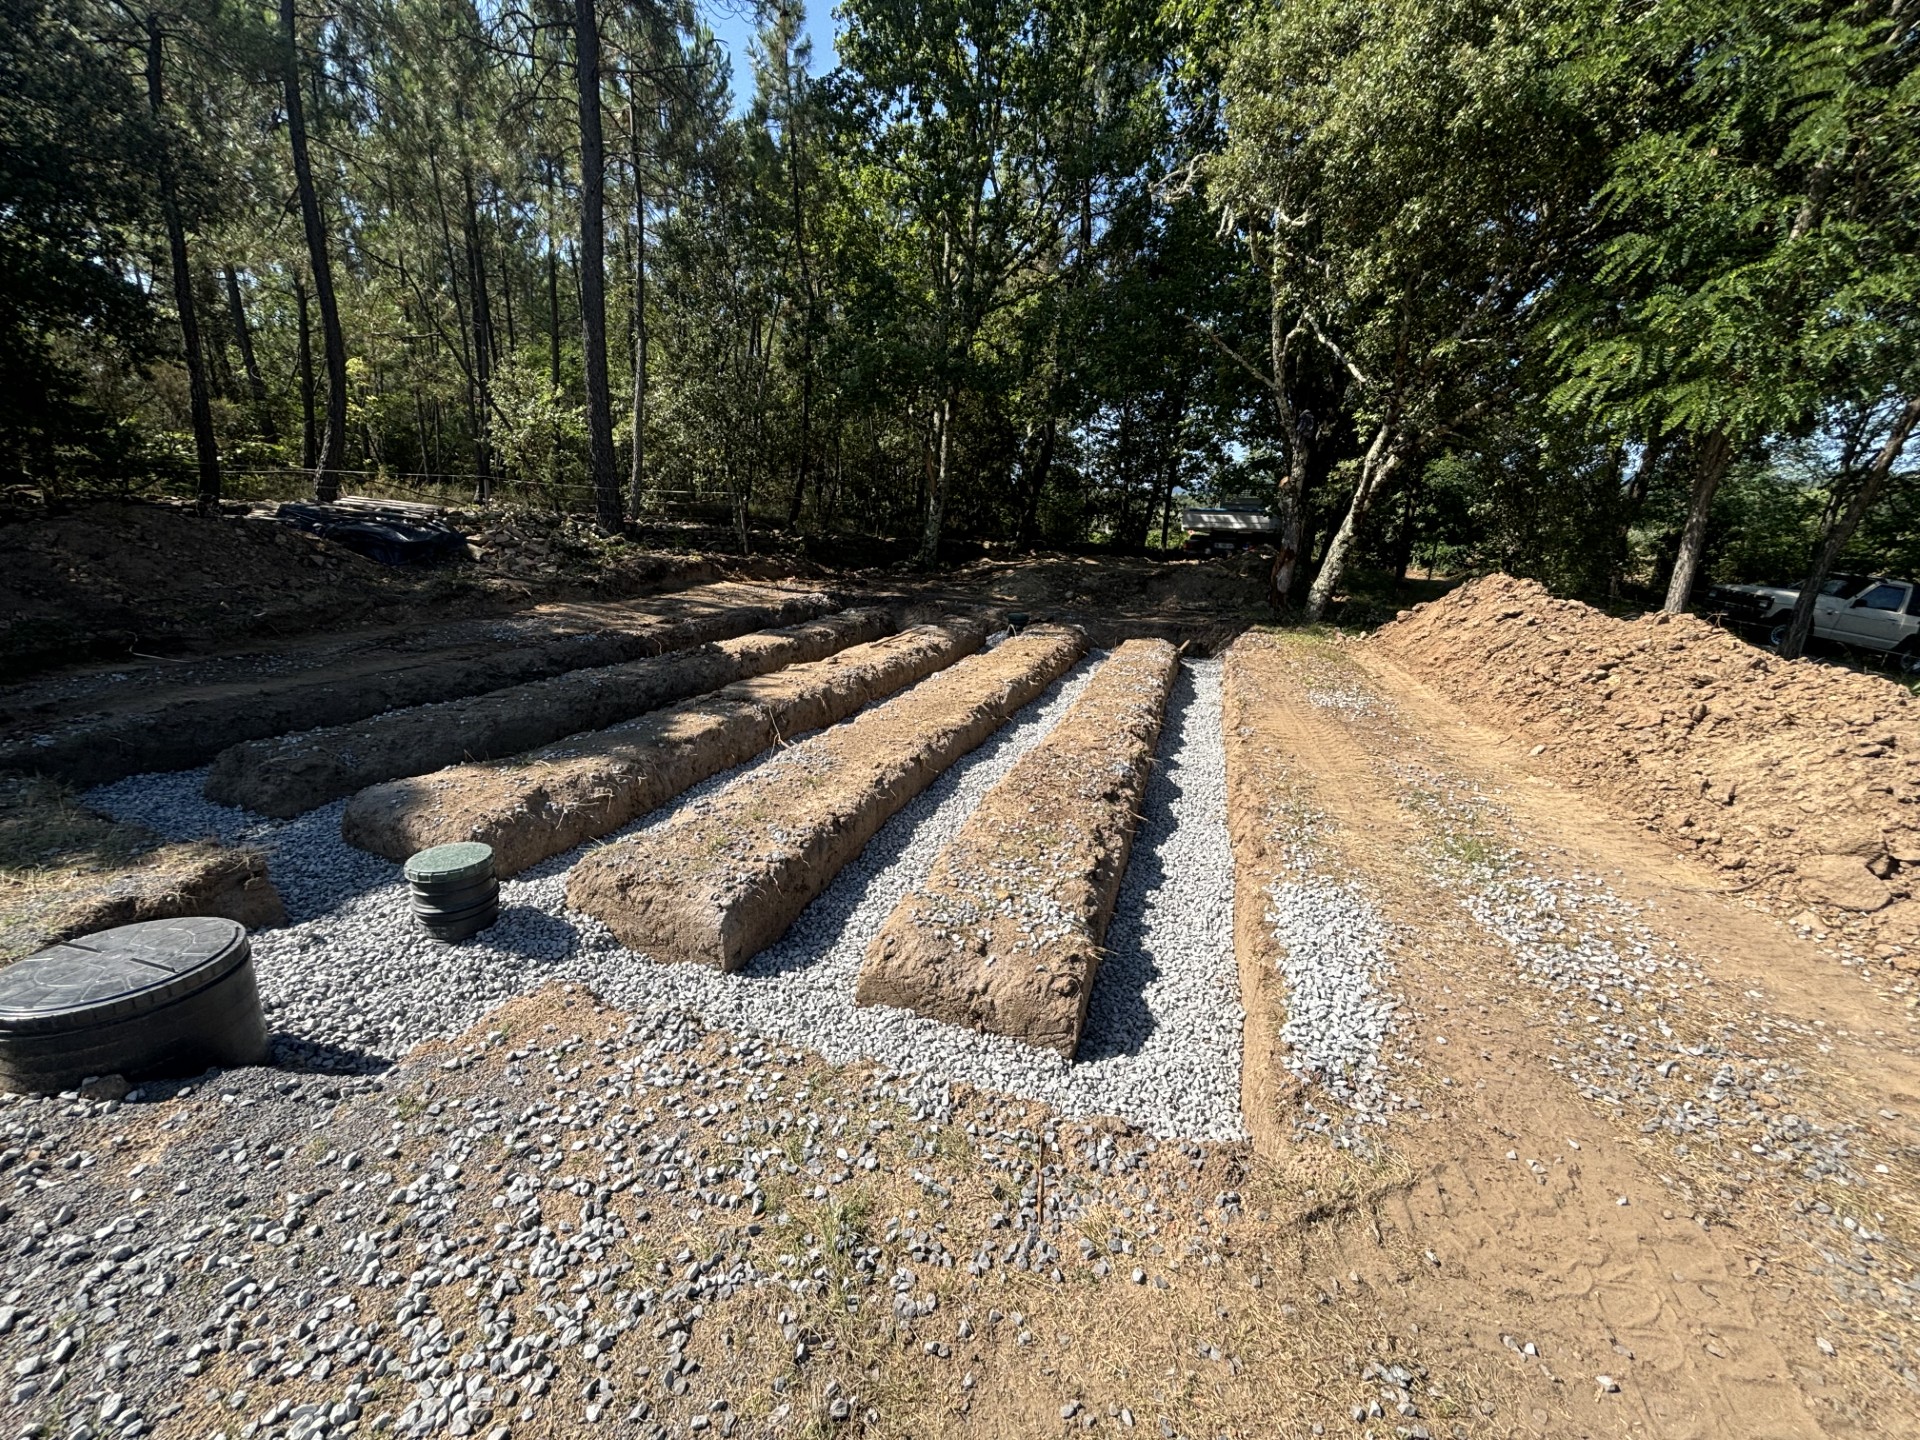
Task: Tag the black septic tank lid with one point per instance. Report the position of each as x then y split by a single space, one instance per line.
117 974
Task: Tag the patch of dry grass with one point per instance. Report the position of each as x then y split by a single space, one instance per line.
65 869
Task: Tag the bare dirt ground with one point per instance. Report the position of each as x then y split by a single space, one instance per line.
1798 780
116 580
94 724
125 582
1691 1169
1594 1143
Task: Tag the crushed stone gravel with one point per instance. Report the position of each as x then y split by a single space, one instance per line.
1334 959
554 1226
352 983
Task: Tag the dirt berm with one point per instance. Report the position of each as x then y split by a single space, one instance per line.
294 773
1801 780
1005 934
191 880
173 880
722 883
549 800
177 728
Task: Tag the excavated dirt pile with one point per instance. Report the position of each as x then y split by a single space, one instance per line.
1004 936
725 881
1801 780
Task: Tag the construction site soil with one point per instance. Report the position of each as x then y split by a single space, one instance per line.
1004 936
290 774
1799 781
66 870
1577 1038
722 884
115 579
549 800
97 726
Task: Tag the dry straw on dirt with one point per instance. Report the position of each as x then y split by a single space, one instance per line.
549 800
65 870
167 728
290 774
1798 779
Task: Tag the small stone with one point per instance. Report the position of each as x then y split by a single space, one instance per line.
105 1087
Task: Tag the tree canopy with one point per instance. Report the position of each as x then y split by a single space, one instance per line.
1612 293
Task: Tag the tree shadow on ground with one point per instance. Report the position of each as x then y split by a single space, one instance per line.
1119 1020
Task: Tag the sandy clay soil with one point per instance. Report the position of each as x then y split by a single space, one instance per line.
1645 1131
1553 1130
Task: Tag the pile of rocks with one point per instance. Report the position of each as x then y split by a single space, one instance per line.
1799 779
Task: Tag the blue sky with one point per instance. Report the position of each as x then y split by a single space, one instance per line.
732 21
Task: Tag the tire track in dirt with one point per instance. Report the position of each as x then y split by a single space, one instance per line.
1536 1248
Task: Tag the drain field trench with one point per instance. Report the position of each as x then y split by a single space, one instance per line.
352 983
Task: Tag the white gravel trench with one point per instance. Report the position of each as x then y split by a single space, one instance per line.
352 983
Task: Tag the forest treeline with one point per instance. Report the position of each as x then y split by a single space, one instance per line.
1597 291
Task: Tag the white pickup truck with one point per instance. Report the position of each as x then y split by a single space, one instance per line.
1861 612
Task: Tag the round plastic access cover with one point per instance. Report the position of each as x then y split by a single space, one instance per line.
118 973
449 864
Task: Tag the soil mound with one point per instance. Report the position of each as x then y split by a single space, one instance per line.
1004 936
66 870
725 880
117 577
1801 780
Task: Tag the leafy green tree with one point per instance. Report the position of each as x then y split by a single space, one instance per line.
1409 177
76 149
1759 206
947 102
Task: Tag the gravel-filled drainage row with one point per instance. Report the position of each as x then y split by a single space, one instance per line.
352 983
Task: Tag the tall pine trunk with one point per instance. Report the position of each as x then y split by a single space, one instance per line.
206 305
636 478
243 337
593 268
1711 463
482 346
309 433
206 449
806 323
333 442
1038 467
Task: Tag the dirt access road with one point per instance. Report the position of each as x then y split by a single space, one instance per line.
1646 1132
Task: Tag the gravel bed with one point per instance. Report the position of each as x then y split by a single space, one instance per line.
1334 959
352 983
562 1225
1639 1025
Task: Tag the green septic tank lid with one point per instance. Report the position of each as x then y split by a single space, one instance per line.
468 860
